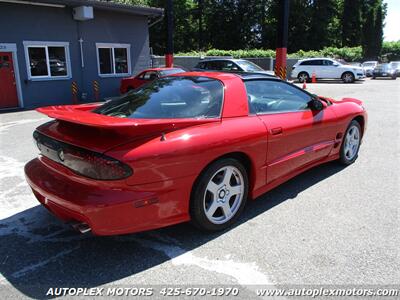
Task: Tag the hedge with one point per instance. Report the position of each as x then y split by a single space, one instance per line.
390 50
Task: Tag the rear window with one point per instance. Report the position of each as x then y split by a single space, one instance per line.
169 98
170 72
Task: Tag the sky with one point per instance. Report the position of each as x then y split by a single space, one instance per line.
391 31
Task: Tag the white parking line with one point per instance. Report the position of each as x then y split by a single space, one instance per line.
42 263
6 126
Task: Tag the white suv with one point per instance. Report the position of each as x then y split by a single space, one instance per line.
326 68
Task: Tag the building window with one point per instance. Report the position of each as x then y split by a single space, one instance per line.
113 59
47 60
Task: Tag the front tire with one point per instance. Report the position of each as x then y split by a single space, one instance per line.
348 77
219 195
351 144
303 77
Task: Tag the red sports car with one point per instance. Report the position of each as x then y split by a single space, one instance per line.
191 146
146 76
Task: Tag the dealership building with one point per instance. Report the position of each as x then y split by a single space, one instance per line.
70 51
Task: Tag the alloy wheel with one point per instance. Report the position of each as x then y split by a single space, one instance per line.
348 78
303 77
223 195
352 142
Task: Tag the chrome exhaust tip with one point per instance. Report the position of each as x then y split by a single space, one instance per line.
82 227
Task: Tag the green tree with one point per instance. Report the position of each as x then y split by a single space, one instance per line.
352 23
324 24
374 12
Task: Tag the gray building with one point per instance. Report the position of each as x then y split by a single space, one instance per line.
51 49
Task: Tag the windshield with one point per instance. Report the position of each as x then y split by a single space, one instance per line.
169 98
248 66
170 72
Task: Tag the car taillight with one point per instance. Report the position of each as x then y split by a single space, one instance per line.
93 165
81 161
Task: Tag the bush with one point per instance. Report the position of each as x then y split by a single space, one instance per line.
390 50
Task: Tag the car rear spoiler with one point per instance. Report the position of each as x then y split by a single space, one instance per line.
83 115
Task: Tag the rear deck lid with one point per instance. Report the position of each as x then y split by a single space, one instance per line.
78 125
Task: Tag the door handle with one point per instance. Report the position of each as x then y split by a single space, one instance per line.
277 130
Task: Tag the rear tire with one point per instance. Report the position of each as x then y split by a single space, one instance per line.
348 77
350 144
219 195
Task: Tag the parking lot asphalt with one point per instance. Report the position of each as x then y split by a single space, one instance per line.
330 225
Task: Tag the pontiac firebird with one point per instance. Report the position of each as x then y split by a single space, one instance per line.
188 147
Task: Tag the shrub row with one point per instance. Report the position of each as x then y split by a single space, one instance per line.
390 50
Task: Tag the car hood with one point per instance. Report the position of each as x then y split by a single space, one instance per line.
353 67
79 126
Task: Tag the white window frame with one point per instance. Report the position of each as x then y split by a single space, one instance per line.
112 46
46 45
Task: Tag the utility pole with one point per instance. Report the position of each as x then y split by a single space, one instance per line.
169 53
282 39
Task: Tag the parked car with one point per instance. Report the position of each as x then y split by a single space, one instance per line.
396 65
385 70
326 68
191 146
146 76
230 65
368 67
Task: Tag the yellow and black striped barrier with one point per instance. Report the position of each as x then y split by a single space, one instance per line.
74 90
280 72
96 90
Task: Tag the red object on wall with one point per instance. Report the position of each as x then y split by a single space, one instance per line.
169 60
8 88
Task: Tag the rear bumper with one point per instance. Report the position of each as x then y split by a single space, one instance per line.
384 74
107 208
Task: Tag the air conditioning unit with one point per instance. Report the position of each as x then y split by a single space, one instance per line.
83 13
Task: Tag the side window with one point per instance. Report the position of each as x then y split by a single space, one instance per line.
200 65
327 62
150 75
214 65
315 62
141 76
270 96
228 66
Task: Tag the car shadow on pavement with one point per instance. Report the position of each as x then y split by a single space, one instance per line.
37 252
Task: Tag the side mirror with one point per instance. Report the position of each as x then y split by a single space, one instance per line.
336 65
315 104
